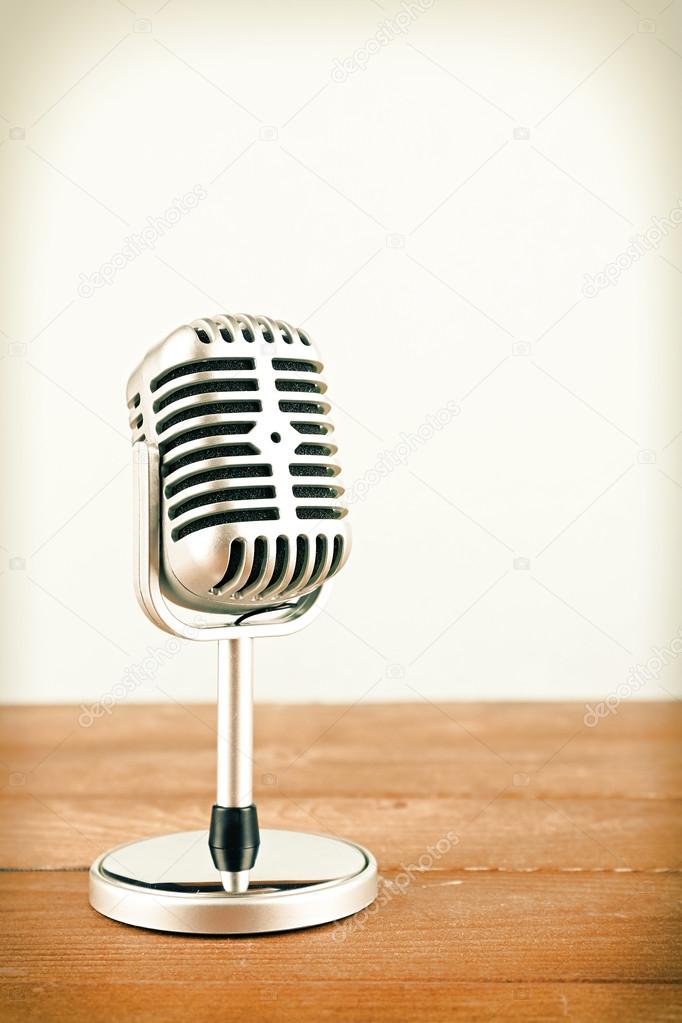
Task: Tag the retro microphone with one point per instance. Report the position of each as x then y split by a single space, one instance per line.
240 525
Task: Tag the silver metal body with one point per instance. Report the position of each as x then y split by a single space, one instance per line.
239 523
250 499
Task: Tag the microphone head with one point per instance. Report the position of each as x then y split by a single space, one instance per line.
250 496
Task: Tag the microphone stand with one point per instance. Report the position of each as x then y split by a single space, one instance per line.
234 764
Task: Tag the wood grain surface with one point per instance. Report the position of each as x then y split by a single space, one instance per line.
558 894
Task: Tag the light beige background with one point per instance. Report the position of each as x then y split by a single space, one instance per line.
427 197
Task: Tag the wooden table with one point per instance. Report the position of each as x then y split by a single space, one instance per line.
555 896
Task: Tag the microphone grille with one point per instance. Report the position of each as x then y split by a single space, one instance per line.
251 495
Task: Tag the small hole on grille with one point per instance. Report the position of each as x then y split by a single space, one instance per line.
247 334
225 334
203 336
276 437
304 338
268 336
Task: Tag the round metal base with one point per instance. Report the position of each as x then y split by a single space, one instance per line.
169 883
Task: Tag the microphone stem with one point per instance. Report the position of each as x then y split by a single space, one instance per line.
235 722
233 837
